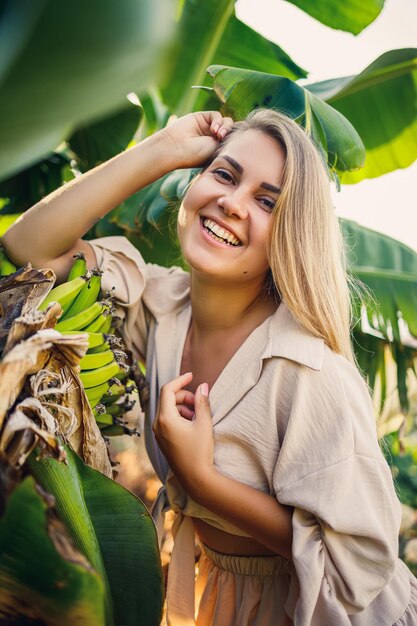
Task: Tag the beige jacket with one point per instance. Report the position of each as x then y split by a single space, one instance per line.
292 419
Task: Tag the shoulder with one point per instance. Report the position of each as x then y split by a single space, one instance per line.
162 289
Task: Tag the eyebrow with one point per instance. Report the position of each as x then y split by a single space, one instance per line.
240 170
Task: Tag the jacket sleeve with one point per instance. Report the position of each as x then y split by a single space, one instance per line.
346 513
141 290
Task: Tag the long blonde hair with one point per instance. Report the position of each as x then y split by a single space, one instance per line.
305 248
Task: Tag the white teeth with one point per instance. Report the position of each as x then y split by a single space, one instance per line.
220 232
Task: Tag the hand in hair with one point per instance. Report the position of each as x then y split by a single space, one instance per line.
194 137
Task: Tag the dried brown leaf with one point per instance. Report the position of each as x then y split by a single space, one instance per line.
30 322
29 422
84 437
21 292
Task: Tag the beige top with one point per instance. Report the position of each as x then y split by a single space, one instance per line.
292 419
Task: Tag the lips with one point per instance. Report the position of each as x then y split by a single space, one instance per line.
220 233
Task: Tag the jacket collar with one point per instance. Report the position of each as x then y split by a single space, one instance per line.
289 340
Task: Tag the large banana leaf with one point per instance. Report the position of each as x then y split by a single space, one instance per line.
381 103
388 268
207 33
72 62
148 218
95 143
350 15
24 189
242 90
115 532
42 575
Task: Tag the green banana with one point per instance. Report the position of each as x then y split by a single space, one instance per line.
92 378
95 402
113 393
64 294
104 346
79 267
102 324
115 410
119 409
104 419
110 341
93 361
123 373
116 429
95 393
95 340
87 296
82 320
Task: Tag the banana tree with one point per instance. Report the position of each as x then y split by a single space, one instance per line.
86 536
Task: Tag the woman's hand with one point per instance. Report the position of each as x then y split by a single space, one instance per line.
183 429
194 137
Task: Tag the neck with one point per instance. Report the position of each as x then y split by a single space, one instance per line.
219 308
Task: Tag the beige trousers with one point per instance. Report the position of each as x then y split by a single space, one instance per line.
241 590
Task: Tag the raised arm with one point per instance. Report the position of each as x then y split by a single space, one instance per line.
50 232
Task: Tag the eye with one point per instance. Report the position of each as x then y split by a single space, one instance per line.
224 174
268 203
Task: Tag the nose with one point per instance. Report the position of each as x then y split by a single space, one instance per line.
234 203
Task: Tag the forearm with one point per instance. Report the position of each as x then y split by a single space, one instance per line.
257 513
53 225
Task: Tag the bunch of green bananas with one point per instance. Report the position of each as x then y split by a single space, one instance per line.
6 266
104 367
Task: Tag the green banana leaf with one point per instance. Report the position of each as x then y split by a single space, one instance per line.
42 575
207 33
148 218
242 90
114 531
388 269
349 15
95 143
72 63
381 103
23 190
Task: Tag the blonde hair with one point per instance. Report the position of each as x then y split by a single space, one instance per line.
305 248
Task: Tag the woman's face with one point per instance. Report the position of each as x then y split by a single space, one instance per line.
226 215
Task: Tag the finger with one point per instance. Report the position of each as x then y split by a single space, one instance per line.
185 411
225 127
202 403
216 121
185 397
176 384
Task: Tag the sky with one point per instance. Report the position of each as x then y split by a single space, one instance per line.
387 204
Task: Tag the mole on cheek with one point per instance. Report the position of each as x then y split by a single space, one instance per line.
245 272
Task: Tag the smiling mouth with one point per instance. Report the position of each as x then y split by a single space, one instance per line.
219 234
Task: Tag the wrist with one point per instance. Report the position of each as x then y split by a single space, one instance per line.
201 484
171 149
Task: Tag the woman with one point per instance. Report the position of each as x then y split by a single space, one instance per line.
268 437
